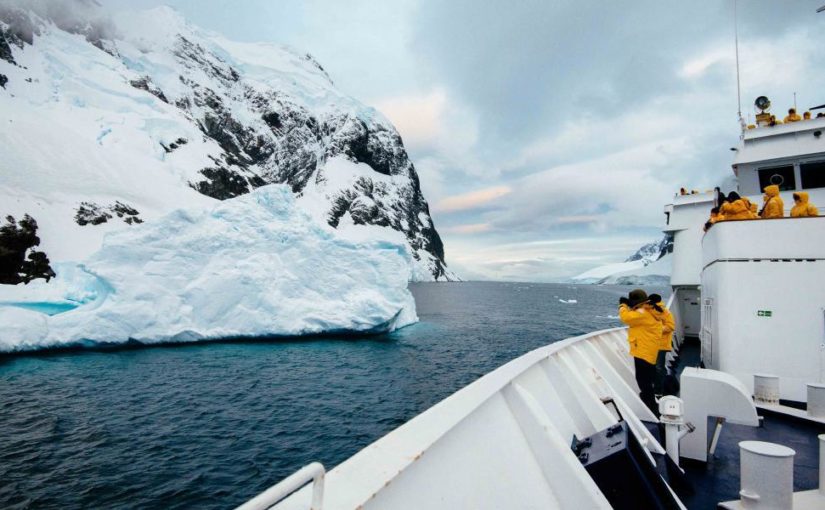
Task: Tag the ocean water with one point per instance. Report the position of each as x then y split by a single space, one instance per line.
211 425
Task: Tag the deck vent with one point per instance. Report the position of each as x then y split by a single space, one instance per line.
816 400
766 475
766 389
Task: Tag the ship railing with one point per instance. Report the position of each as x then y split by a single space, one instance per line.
533 406
313 472
673 304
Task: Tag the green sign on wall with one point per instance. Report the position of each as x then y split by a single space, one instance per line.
764 313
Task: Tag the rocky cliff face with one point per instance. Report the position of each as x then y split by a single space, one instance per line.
221 118
652 252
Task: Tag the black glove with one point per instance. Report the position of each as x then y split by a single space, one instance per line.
623 301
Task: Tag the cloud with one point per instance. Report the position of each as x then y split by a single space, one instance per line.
418 118
530 68
474 228
472 200
550 260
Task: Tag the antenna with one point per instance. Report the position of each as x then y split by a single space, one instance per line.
736 44
794 100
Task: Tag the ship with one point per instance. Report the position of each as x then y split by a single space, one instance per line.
563 427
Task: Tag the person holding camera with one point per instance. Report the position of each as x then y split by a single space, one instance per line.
644 335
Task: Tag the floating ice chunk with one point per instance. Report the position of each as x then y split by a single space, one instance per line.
251 266
568 301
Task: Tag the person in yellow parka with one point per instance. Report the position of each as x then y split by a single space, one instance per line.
802 207
792 116
753 209
644 335
664 316
736 208
714 217
774 207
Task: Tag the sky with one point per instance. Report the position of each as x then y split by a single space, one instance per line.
548 135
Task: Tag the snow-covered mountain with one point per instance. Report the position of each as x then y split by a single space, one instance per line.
649 265
652 252
109 122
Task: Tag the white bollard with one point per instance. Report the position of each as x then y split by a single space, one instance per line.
816 400
821 464
766 389
766 475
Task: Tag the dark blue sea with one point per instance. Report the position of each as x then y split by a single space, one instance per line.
211 425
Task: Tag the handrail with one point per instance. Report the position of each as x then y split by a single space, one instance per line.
311 472
428 428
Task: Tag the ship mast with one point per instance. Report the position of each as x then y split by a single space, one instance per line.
742 123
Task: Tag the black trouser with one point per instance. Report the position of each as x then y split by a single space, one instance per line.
645 377
661 373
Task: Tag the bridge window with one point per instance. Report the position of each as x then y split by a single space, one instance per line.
812 174
782 176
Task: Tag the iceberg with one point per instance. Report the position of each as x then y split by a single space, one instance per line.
256 265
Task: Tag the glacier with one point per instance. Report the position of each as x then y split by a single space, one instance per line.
255 265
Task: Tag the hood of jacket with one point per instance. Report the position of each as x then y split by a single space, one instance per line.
772 190
803 197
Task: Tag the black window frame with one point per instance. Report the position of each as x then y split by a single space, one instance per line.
814 167
785 171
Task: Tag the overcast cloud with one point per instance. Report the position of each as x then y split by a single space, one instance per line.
548 135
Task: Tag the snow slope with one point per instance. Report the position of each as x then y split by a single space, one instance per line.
151 112
254 265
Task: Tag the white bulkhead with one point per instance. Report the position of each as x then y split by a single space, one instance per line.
763 301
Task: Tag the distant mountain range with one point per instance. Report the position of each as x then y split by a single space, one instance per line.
110 122
649 265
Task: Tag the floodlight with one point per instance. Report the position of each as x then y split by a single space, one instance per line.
763 103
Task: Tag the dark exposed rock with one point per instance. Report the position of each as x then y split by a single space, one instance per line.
3 80
19 262
144 83
5 49
191 53
89 213
127 213
16 29
380 149
20 29
222 183
174 145
273 120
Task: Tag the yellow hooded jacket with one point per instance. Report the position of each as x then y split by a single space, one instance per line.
668 326
774 207
754 210
736 210
803 208
644 331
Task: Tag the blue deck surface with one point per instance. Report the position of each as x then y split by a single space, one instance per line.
718 480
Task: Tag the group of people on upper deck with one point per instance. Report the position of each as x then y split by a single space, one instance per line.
791 117
734 207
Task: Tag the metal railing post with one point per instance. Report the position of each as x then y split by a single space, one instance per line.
311 472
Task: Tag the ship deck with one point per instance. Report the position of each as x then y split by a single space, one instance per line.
718 480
